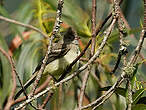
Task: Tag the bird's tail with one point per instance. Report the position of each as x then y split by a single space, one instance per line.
26 85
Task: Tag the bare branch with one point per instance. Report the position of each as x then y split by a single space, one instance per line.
93 27
82 91
129 95
50 94
144 25
23 25
39 89
138 48
106 96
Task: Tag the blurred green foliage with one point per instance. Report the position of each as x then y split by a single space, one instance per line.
77 14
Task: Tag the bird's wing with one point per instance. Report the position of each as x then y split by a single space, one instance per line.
53 56
63 47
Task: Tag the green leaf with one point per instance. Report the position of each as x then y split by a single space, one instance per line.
24 14
139 107
29 56
142 100
14 28
119 90
137 95
134 75
122 91
5 73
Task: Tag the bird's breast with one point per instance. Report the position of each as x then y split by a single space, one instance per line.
57 67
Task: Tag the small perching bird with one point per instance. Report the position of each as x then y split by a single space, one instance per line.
62 55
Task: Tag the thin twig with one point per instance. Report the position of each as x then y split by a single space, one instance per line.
123 45
104 97
13 74
144 25
129 95
82 91
41 87
46 100
23 25
93 27
138 48
60 98
103 23
21 84
93 45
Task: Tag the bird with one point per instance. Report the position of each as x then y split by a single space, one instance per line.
63 53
